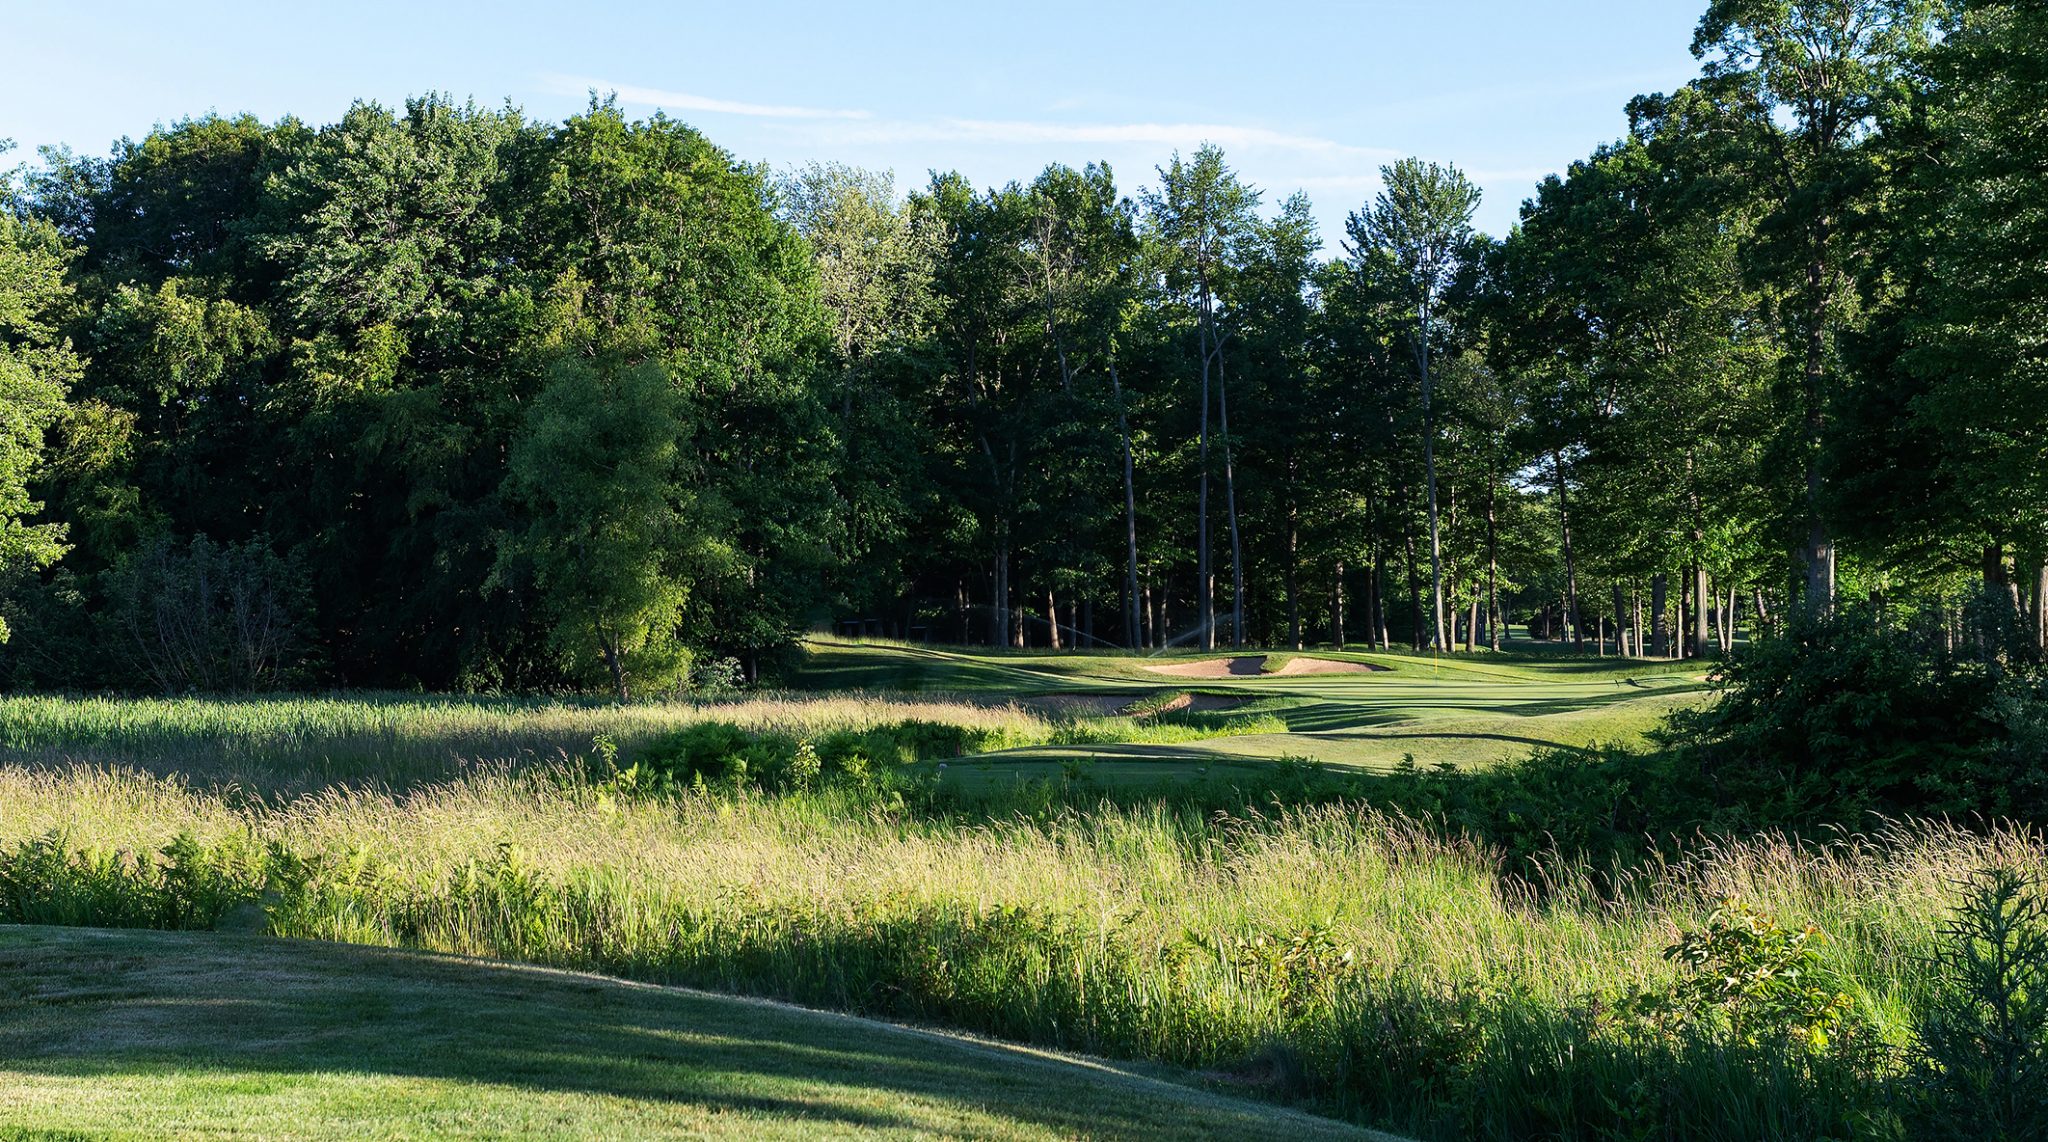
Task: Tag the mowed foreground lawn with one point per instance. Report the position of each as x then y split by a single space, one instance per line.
107 1034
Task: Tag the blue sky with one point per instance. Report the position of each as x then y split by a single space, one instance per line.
1301 96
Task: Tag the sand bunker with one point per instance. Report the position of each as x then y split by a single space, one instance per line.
1254 666
1299 665
1250 666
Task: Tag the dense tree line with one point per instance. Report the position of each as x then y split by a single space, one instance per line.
447 397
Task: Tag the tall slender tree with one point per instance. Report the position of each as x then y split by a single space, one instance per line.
1807 80
1423 219
1198 219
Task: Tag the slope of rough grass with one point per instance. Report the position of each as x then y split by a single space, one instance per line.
152 1035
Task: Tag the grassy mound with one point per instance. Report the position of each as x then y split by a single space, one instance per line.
150 1034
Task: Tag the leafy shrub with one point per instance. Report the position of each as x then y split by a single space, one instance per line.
1749 980
722 753
717 677
1301 969
184 885
1852 713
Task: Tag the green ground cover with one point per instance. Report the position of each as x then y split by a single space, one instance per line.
158 1035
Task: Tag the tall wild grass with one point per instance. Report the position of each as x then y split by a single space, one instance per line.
305 744
1363 962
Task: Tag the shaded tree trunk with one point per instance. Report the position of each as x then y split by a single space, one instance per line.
1699 610
1571 571
999 625
1205 574
1376 602
1293 563
1337 608
1620 622
2041 605
1416 633
1436 557
1820 546
1493 616
1230 507
1123 431
1660 633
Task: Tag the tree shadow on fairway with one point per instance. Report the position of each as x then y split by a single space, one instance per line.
201 1028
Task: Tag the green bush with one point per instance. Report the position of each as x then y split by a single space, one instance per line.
1751 981
723 754
1854 713
1980 1058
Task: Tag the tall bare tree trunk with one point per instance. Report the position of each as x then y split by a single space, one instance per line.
1699 610
1230 507
1052 619
1820 545
1571 569
1123 431
1660 634
1493 615
1620 622
1205 577
1418 636
1337 608
1293 562
999 628
2041 605
1436 553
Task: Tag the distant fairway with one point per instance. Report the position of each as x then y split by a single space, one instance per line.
1456 711
152 1035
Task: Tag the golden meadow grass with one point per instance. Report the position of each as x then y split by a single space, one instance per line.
1401 896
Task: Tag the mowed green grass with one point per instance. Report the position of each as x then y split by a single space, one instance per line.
165 1035
1459 711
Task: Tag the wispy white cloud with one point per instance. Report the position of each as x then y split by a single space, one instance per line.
858 127
684 101
1034 132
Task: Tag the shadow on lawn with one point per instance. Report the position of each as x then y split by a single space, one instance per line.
107 1006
